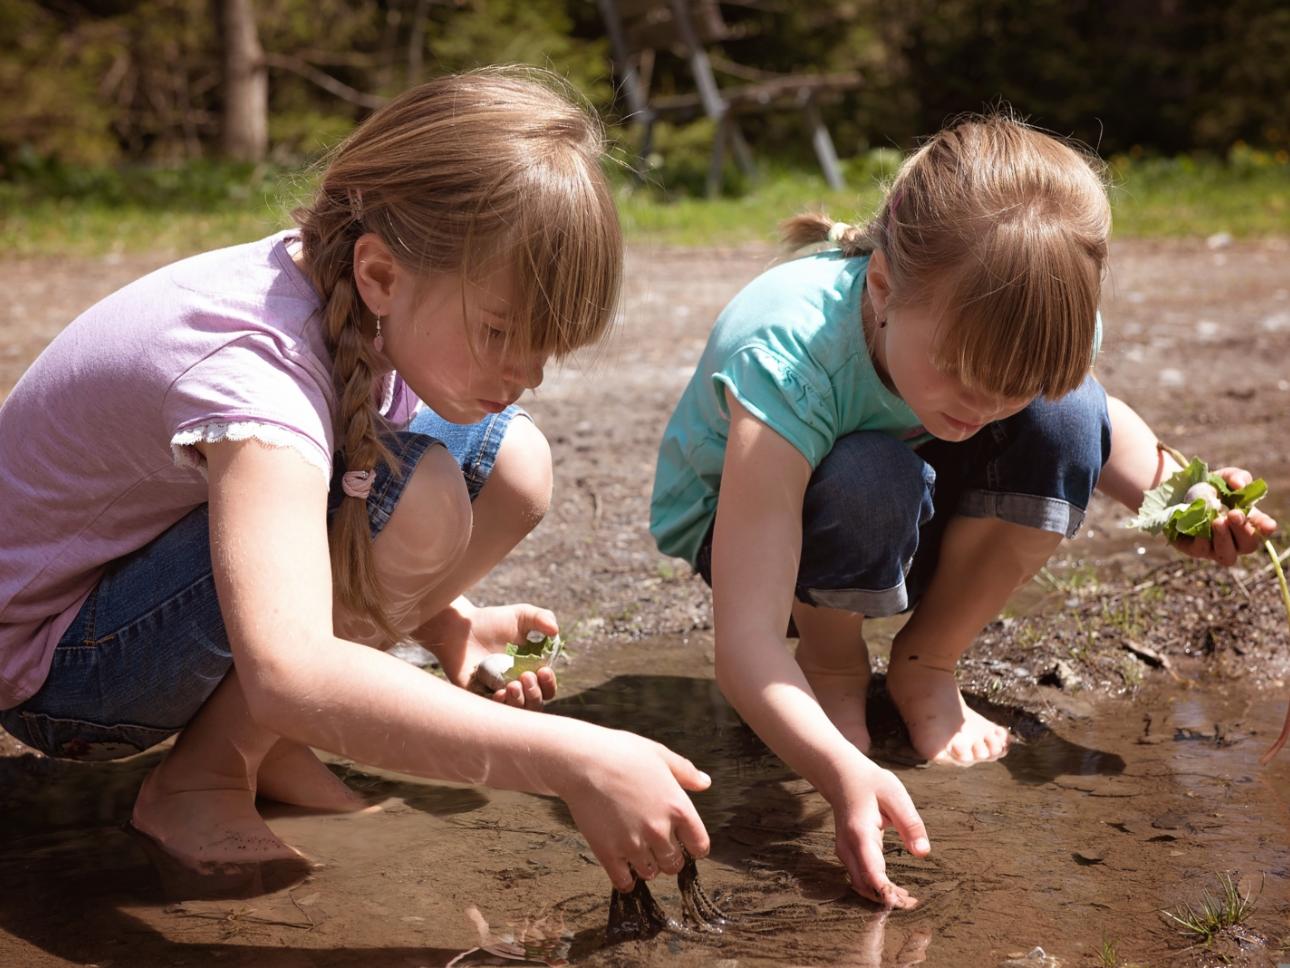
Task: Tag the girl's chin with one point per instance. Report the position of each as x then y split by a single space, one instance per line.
955 431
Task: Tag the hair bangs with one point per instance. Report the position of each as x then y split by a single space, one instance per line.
1021 316
564 246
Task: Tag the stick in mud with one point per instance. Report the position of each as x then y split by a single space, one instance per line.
698 911
636 915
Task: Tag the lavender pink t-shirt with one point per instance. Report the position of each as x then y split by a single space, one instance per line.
96 439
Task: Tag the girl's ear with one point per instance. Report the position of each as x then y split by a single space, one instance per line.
878 282
375 271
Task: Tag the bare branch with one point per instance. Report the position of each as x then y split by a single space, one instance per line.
328 83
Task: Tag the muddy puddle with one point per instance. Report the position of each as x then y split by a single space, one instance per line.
1077 840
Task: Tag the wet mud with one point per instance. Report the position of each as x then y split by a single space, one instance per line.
1141 690
1086 832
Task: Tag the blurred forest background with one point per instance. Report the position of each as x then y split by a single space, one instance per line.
146 100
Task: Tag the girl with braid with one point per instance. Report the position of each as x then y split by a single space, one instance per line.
227 488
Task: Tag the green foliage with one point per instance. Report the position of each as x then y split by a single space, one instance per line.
481 32
96 83
58 209
196 186
48 86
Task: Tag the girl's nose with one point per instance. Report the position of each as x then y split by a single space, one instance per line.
528 373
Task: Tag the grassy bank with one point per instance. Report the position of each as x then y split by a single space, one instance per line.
50 213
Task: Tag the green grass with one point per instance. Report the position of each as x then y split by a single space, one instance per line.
59 212
1213 914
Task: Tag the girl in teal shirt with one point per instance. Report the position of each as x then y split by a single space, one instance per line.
904 421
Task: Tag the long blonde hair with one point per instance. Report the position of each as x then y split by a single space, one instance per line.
1002 230
461 174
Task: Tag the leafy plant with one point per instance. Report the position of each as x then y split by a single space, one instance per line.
1227 910
1187 503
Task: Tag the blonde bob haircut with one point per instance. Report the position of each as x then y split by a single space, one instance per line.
497 168
1001 230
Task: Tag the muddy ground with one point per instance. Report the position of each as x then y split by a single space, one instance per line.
1143 686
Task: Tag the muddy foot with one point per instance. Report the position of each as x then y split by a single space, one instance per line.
941 727
211 843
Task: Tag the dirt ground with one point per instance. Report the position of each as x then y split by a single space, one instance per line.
1197 339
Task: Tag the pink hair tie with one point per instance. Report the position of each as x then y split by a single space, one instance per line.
357 483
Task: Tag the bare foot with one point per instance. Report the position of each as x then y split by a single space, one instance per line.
941 726
291 773
211 842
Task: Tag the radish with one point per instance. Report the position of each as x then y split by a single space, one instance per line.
1204 491
536 651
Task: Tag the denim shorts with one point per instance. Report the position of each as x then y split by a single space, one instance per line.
148 647
875 509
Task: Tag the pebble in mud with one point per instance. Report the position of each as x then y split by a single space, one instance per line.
1036 957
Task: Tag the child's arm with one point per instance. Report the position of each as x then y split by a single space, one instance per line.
269 551
756 548
1136 465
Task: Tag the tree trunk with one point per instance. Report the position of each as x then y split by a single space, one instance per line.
244 128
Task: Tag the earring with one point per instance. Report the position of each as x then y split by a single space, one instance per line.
378 343
882 323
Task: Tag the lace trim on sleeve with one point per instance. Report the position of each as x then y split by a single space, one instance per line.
185 453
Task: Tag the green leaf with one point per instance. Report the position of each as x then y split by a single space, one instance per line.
1160 503
531 656
1192 521
1247 496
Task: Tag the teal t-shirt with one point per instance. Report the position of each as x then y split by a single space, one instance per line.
790 348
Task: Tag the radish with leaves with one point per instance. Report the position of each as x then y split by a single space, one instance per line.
538 650
1187 504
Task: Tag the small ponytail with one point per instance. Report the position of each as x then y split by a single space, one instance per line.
1001 229
816 228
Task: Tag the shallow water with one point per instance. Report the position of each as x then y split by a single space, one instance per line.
1081 835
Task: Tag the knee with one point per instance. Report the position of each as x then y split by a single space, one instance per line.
519 486
1076 426
870 476
430 527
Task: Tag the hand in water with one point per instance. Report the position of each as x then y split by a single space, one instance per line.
867 800
627 796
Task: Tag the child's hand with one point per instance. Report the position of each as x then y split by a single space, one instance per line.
1233 534
868 800
483 631
627 797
